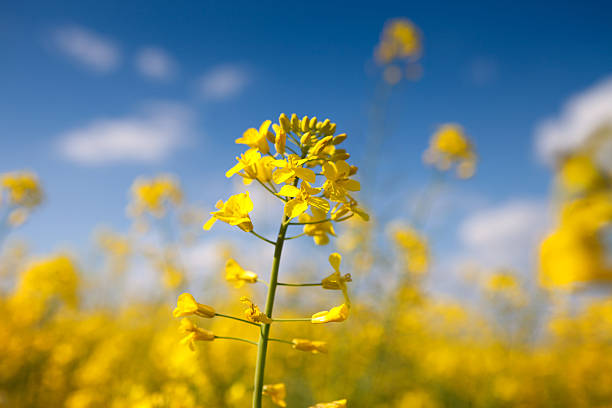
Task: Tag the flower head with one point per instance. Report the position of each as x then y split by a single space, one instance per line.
194 333
316 226
336 281
338 183
235 211
335 314
400 39
277 393
153 195
449 145
237 275
253 314
415 248
302 198
312 346
257 139
186 305
22 188
290 168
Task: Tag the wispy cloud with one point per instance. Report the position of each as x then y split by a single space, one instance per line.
88 48
223 82
504 235
155 63
148 136
582 116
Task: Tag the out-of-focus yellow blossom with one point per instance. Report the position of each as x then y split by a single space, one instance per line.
302 198
338 184
22 188
576 251
449 145
392 74
152 195
417 399
277 393
290 168
51 278
400 39
501 281
335 314
253 314
237 275
579 173
415 249
312 346
334 404
235 211
173 275
336 281
186 305
17 217
194 333
258 139
316 227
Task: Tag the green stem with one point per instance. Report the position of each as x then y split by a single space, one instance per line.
263 238
236 318
310 222
236 338
262 347
296 236
281 341
299 284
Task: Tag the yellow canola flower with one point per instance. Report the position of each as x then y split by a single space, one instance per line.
152 195
257 139
303 197
415 247
450 145
235 211
277 393
290 168
335 314
253 314
251 166
338 184
311 346
400 39
334 404
194 333
22 188
318 229
579 173
237 275
186 305
336 281
350 207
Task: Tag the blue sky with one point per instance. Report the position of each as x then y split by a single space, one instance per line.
214 69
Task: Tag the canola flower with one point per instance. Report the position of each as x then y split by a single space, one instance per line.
153 196
334 404
399 47
305 150
450 146
21 192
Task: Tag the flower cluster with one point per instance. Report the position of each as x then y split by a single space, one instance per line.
153 196
300 163
21 192
450 146
400 44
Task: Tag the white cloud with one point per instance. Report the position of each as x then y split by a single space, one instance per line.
88 48
155 63
506 235
149 136
223 82
584 114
